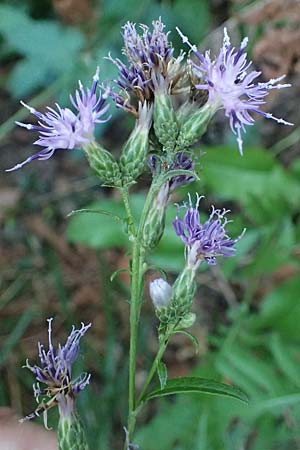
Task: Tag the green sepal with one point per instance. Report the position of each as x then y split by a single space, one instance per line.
194 125
154 227
165 122
70 433
134 153
133 156
104 164
184 287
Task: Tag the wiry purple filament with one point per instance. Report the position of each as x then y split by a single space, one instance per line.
231 87
61 128
204 241
149 55
55 368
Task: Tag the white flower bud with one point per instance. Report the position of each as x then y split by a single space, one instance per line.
160 293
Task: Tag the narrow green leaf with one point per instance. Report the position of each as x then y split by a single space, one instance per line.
191 337
117 272
103 212
186 385
177 172
162 373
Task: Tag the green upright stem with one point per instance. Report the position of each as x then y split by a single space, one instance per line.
134 319
137 273
153 369
125 195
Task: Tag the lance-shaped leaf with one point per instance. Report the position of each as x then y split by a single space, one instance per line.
186 385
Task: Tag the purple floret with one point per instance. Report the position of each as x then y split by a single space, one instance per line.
55 371
231 85
150 65
204 241
61 128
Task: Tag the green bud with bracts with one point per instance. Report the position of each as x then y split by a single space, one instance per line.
104 164
164 119
184 287
193 124
176 315
155 223
71 435
134 154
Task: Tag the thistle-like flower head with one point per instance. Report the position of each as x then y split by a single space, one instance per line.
55 371
150 65
61 128
204 241
231 86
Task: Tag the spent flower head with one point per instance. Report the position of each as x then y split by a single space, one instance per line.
150 66
204 241
231 85
55 371
62 128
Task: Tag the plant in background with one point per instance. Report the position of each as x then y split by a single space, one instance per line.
161 91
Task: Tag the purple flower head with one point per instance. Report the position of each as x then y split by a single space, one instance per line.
150 65
150 48
204 241
61 128
55 370
231 85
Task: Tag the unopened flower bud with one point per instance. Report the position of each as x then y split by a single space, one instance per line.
184 287
160 293
104 164
134 153
155 222
193 125
165 123
70 433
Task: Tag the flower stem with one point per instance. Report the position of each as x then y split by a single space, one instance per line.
137 273
125 195
153 369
